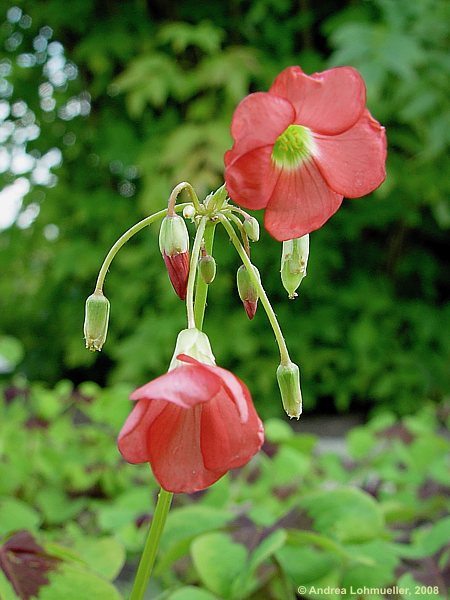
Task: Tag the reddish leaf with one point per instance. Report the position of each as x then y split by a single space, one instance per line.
26 564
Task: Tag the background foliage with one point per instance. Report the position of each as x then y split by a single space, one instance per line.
117 102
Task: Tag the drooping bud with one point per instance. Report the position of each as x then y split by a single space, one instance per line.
96 321
207 268
195 343
247 290
174 246
288 377
294 260
251 228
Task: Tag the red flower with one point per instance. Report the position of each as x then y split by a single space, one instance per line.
192 425
301 147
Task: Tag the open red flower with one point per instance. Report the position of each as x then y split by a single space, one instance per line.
301 147
192 425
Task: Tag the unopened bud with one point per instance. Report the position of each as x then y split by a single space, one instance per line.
207 268
288 377
247 290
96 321
251 228
294 260
174 246
189 212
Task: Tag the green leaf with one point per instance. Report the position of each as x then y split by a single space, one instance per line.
305 564
73 582
412 587
6 590
346 514
15 515
11 353
104 556
191 593
219 562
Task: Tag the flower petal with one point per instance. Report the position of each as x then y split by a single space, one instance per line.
301 202
235 388
250 178
226 441
184 386
353 163
257 121
174 451
132 440
329 102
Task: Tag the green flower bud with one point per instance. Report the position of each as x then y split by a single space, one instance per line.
173 236
251 228
96 321
247 290
207 268
294 260
288 377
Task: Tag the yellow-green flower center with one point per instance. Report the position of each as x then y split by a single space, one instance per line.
292 147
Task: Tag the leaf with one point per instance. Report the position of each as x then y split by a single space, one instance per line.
219 562
11 353
26 564
191 593
73 582
15 514
104 556
346 514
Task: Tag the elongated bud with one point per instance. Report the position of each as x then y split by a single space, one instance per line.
247 290
251 228
207 268
294 260
96 321
288 377
174 246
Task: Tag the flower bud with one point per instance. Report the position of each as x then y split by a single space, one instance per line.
251 228
294 260
247 290
189 212
96 321
174 246
207 268
288 377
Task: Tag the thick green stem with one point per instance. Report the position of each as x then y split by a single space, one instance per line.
124 239
193 272
284 353
201 291
151 545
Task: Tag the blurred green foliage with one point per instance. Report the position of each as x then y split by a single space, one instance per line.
138 96
368 512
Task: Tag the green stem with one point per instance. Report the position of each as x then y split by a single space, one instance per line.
184 185
193 272
124 239
284 353
151 545
201 291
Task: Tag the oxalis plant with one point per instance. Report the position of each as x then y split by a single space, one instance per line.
298 150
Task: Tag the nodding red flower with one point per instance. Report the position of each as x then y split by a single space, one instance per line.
192 425
301 147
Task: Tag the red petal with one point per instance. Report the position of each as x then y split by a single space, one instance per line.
257 121
301 202
250 179
185 386
329 102
353 163
227 442
132 440
174 451
178 270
